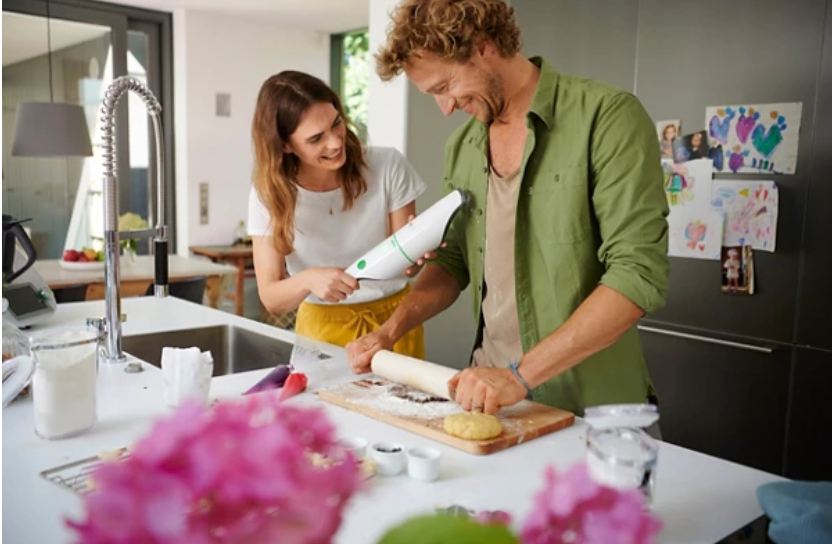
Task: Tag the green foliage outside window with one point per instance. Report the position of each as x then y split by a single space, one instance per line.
355 77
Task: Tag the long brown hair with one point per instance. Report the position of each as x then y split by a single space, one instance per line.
282 101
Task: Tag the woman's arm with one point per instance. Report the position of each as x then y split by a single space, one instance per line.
402 216
281 294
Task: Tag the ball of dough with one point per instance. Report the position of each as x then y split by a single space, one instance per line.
473 426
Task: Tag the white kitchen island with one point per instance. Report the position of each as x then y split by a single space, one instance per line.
700 499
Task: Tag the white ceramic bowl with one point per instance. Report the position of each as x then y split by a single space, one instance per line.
88 266
389 458
356 445
423 463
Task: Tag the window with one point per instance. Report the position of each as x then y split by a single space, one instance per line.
86 44
350 75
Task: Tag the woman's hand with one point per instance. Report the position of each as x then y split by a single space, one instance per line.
329 284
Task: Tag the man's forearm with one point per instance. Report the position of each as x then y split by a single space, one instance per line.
434 291
597 323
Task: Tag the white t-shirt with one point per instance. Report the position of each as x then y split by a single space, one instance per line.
324 240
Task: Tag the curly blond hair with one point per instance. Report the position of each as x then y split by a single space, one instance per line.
450 29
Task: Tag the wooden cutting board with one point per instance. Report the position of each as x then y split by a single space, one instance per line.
522 422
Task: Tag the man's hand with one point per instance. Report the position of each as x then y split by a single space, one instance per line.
487 389
360 351
420 262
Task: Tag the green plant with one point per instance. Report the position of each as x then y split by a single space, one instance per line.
443 529
356 79
131 221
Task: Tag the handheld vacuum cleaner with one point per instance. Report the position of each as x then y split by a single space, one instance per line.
403 248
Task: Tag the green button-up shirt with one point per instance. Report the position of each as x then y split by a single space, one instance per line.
591 211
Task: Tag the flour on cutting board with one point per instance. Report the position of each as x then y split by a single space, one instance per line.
403 401
397 400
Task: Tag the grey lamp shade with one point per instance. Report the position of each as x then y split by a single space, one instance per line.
48 129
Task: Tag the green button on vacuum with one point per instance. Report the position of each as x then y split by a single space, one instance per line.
362 264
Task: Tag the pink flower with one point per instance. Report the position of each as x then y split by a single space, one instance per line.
239 472
573 509
493 517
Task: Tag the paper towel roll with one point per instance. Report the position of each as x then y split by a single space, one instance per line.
428 377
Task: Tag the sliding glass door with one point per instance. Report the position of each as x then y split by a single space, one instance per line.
83 46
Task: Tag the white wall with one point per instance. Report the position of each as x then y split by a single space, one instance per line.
387 116
222 54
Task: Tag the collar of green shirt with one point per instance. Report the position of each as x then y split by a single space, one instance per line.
543 103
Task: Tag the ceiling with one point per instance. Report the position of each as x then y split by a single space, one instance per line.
24 36
325 15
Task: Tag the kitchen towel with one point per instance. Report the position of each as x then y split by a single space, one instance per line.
187 374
800 512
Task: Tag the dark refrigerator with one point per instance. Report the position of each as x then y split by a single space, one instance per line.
744 378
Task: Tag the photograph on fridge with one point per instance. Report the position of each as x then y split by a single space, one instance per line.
691 147
738 270
668 131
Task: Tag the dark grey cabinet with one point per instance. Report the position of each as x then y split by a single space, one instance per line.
810 426
814 326
724 401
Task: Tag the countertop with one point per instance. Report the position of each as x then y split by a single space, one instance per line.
699 498
142 269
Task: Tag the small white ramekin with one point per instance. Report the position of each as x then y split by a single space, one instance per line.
423 463
389 458
356 445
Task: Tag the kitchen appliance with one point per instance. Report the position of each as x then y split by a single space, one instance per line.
12 233
26 297
403 248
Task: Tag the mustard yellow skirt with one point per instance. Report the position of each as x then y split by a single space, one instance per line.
340 324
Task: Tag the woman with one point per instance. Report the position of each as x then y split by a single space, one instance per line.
319 202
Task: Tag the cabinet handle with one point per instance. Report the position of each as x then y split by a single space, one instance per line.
707 339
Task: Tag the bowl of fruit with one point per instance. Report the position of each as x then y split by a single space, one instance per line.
83 259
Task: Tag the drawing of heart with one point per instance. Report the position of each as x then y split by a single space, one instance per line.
746 123
766 142
720 124
701 247
736 158
695 231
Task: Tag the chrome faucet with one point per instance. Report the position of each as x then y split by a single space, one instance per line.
112 281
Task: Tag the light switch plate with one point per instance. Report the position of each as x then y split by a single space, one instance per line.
223 105
203 203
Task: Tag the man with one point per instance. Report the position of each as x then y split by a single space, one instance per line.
564 239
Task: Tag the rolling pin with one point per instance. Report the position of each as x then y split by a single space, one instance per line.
422 375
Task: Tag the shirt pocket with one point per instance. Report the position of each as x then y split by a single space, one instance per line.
559 206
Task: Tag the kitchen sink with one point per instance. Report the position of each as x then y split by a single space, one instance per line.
234 349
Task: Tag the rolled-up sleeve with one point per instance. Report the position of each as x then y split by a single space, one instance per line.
629 203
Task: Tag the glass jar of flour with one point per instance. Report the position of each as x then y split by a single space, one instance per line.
64 383
620 454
